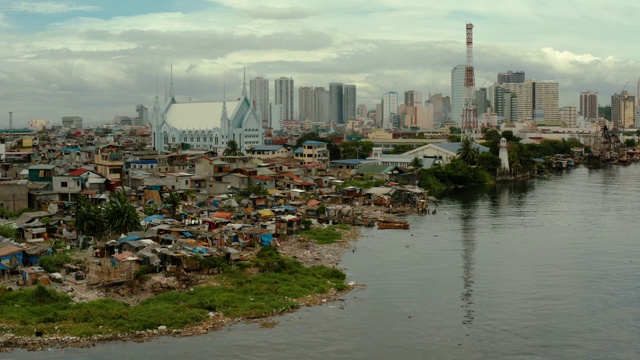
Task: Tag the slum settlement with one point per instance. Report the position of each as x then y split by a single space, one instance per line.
163 229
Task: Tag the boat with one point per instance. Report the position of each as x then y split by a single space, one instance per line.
396 224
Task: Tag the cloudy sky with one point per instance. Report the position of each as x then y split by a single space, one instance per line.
98 59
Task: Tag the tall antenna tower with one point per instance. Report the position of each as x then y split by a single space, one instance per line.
470 112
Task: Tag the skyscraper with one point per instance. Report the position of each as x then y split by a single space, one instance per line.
306 104
623 110
390 110
545 95
336 99
589 105
349 103
259 94
284 96
321 105
511 77
412 98
457 93
481 101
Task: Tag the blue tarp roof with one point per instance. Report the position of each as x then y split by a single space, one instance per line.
284 208
152 217
187 234
130 237
265 240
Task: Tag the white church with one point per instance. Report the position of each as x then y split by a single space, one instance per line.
206 125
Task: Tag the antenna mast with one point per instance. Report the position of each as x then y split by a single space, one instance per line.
470 112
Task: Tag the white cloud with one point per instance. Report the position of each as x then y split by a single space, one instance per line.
50 7
99 68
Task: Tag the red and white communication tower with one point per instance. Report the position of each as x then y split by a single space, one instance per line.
470 112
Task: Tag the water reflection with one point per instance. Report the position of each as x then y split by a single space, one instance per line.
468 210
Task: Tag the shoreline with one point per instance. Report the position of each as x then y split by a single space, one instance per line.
215 321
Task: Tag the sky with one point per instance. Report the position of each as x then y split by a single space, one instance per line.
99 59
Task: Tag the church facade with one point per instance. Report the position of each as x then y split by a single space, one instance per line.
206 125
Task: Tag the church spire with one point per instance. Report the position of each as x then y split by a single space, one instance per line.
171 94
224 100
244 82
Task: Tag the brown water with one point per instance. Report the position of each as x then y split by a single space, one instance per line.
548 269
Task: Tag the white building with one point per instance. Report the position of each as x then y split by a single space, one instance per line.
209 125
276 117
259 93
284 96
457 93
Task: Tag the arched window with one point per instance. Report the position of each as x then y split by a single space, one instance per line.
173 138
216 139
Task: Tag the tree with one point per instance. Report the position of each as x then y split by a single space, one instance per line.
232 149
173 200
416 163
467 152
401 149
89 218
489 162
356 149
8 231
120 215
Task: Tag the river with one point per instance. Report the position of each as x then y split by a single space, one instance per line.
547 269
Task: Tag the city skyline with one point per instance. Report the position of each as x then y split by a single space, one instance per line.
98 59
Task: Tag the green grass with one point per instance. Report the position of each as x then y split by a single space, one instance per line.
327 235
239 294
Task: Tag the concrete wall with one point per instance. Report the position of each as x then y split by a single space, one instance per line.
14 196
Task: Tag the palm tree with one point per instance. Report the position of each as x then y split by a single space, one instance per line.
232 149
89 218
173 200
467 152
416 163
120 215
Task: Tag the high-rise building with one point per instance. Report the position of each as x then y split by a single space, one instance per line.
545 95
481 101
589 105
511 77
438 107
306 103
349 102
505 104
284 96
623 110
321 105
521 97
378 119
412 98
390 110
457 93
568 116
361 111
336 100
276 117
259 93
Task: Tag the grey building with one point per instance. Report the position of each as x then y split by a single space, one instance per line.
336 99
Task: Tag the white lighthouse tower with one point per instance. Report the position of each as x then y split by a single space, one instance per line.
504 155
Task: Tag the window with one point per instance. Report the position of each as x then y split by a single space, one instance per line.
151 166
186 182
64 184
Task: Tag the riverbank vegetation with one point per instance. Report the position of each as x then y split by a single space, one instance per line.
471 168
327 235
268 284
